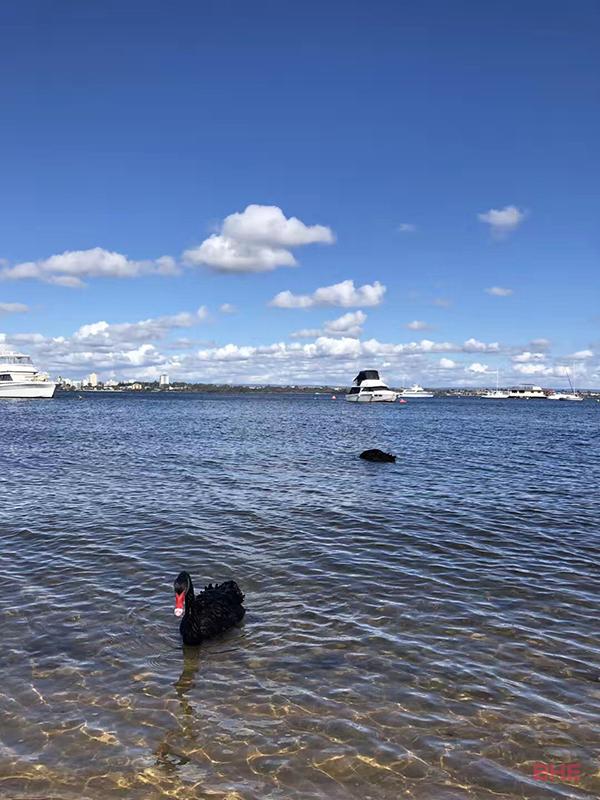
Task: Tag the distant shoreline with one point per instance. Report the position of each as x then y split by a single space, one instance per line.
200 388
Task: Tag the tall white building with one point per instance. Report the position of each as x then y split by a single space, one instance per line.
92 380
164 380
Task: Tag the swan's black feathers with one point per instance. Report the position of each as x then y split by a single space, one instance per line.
216 609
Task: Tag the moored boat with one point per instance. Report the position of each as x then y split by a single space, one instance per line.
572 396
19 379
526 391
498 393
415 392
369 388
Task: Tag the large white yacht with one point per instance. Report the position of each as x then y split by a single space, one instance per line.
20 379
527 391
415 392
369 388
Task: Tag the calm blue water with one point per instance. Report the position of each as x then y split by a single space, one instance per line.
426 629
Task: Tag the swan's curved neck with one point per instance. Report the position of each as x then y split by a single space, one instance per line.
189 598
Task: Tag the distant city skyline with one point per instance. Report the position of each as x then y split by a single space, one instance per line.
288 194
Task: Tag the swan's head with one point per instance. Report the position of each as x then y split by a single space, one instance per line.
182 586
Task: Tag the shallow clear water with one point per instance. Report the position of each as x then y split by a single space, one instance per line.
426 629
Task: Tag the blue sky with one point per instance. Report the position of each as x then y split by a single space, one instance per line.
439 150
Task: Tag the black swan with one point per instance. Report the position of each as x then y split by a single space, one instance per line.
377 455
215 610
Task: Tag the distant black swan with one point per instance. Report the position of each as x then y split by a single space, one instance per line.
377 455
215 610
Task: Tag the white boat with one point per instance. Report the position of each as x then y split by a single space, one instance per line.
497 394
369 388
20 379
564 396
526 391
572 395
415 392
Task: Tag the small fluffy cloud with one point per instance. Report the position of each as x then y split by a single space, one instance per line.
527 356
540 344
475 346
407 227
306 333
582 354
502 221
417 325
448 363
227 308
499 291
531 369
478 369
349 324
343 294
258 239
13 308
72 266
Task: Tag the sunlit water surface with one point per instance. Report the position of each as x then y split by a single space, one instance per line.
426 629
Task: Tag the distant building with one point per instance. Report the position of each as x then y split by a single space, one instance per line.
164 380
92 380
137 387
111 384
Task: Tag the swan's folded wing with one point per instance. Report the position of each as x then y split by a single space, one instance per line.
217 615
228 591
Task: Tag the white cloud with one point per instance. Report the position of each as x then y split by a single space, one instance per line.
502 221
146 348
306 333
582 354
475 346
541 344
499 291
448 363
532 369
478 369
258 239
227 308
417 325
104 334
69 268
13 308
407 227
577 372
343 294
528 356
349 324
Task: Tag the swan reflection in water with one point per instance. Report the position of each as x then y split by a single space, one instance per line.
183 743
172 751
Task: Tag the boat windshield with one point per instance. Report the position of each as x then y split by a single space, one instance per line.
15 359
367 375
375 388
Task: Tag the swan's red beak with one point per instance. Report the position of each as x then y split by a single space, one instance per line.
179 603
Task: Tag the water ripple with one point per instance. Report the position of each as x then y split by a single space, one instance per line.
423 629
